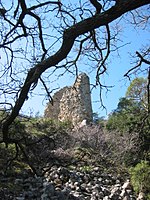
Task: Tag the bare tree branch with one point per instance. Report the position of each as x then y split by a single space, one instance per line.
69 37
97 5
141 61
47 91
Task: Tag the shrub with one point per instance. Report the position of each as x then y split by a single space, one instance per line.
140 177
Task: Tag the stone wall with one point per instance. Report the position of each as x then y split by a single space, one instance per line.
72 103
52 110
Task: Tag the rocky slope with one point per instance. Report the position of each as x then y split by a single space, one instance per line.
60 183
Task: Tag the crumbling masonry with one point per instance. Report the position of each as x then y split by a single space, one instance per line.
72 103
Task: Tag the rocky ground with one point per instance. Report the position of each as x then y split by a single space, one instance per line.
60 183
80 166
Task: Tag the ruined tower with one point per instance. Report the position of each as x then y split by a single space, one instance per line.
72 103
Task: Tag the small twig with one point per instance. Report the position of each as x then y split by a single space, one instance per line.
142 60
106 56
47 91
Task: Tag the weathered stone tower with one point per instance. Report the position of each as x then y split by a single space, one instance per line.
72 103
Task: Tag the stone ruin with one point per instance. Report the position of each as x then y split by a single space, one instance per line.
72 103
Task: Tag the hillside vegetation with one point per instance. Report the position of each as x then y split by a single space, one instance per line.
118 146
43 143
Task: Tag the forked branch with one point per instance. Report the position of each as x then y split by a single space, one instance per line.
69 36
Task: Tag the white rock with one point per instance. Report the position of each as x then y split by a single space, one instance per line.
123 193
83 123
106 198
140 196
127 185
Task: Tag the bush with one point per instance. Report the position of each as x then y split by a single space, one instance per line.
140 177
118 149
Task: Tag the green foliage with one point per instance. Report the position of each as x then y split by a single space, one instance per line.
125 118
130 117
7 161
86 168
40 136
39 126
137 86
140 177
17 129
81 153
137 91
10 150
65 125
32 136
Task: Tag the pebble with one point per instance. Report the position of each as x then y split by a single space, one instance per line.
63 184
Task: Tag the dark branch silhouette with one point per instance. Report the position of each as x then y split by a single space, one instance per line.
97 5
69 37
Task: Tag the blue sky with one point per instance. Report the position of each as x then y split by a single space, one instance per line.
114 77
119 65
